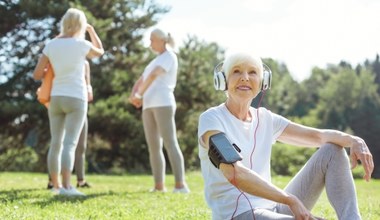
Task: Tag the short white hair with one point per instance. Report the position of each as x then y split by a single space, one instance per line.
237 58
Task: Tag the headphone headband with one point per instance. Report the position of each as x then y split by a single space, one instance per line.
220 81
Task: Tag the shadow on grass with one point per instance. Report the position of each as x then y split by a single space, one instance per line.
16 194
70 199
80 199
43 197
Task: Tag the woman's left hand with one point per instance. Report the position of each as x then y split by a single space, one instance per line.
360 151
135 101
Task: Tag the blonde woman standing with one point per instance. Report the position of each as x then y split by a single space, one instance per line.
68 105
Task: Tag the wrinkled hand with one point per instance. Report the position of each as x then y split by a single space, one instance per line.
360 151
135 101
300 212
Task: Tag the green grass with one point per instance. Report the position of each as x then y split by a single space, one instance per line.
23 196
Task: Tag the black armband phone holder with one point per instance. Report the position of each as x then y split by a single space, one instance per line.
221 150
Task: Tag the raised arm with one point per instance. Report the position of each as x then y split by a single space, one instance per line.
97 49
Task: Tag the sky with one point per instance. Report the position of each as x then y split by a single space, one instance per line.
299 33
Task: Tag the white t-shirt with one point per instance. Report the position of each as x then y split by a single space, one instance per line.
67 56
160 92
220 194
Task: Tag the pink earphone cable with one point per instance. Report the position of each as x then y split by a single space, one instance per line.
250 160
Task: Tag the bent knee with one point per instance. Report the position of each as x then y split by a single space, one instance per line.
334 149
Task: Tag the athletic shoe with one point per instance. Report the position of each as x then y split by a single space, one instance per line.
158 190
55 191
50 185
183 190
83 185
71 192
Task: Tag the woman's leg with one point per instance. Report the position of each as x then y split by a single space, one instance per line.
167 129
80 153
56 123
76 111
328 167
156 155
263 214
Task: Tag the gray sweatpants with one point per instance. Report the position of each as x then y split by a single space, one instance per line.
328 168
160 130
66 117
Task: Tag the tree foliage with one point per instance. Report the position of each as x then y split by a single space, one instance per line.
338 97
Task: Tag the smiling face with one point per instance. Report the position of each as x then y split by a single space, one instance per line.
244 76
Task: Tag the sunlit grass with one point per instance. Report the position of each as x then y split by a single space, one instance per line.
23 196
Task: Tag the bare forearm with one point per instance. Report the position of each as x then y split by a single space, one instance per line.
145 84
301 135
250 182
95 40
337 137
39 70
136 86
156 72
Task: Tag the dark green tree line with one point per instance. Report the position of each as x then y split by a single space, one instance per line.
338 97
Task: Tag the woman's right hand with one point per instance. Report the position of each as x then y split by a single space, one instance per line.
300 212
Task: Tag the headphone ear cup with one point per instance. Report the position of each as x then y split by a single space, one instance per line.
220 81
267 78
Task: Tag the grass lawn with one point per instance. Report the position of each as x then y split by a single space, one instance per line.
24 196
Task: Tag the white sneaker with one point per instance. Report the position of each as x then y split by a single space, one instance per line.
158 190
70 192
184 190
55 191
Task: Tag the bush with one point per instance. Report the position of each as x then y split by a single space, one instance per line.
18 159
288 160
358 172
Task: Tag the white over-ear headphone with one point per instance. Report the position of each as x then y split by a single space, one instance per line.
220 81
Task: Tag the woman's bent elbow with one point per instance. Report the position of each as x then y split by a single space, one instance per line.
232 172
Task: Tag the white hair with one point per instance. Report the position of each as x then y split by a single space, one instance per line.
167 37
234 59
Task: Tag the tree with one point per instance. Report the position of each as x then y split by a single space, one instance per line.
195 92
283 95
349 102
364 120
120 24
116 139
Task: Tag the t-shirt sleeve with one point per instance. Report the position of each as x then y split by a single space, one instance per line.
86 46
279 124
166 62
208 121
46 50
